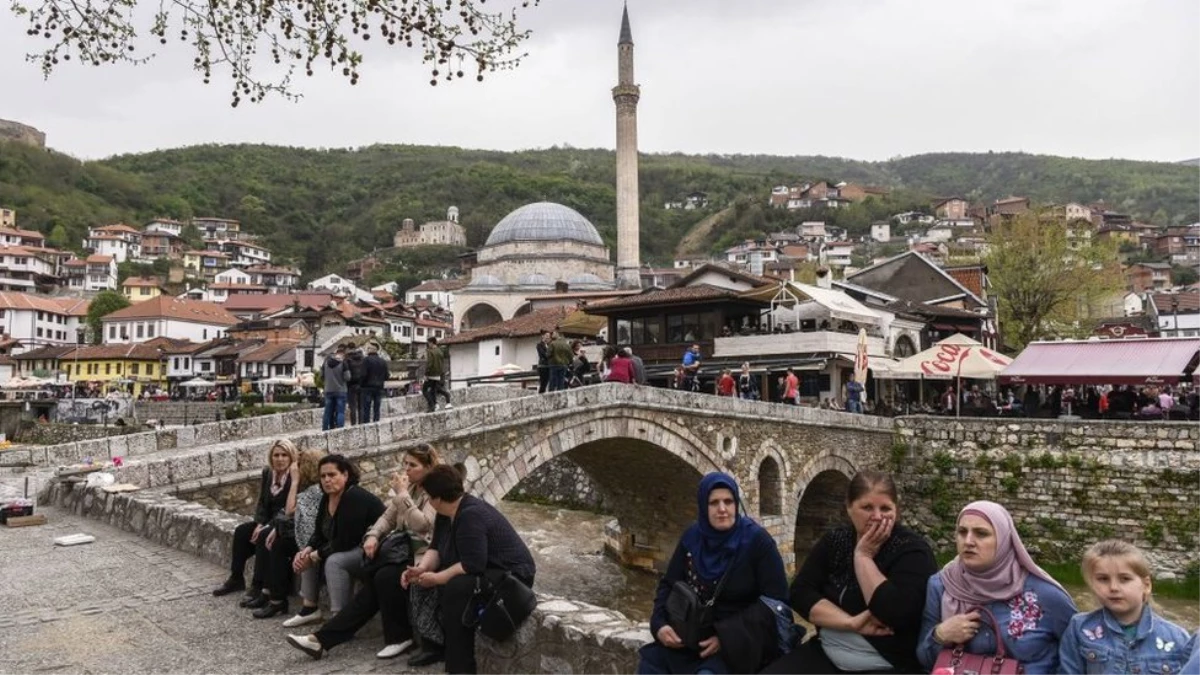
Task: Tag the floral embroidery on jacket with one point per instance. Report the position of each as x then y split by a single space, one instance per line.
1024 614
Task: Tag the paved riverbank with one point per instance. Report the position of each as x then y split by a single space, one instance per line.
126 605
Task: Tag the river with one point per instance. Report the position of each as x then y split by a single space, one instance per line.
568 547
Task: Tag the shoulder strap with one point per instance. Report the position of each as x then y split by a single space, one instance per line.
991 619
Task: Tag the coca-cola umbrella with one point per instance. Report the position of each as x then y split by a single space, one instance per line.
954 358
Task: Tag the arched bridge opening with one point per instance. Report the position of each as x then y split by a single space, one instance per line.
822 507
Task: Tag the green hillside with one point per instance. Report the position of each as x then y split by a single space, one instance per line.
320 208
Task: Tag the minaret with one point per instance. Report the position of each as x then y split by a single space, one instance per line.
626 95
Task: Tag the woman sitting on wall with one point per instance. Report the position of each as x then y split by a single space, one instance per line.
727 549
863 586
345 514
409 518
294 522
250 538
994 573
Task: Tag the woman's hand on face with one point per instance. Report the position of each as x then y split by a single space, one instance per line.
369 546
294 472
958 629
668 638
877 533
709 647
399 481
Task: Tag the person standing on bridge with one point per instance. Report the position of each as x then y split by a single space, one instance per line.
334 374
729 560
560 357
691 368
435 367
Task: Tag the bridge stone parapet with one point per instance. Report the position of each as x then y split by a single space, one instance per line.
1068 484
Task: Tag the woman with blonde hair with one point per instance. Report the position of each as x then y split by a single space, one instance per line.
295 522
250 538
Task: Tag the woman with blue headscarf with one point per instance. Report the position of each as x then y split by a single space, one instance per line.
723 543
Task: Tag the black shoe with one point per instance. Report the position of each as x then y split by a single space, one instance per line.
427 657
259 599
272 609
231 585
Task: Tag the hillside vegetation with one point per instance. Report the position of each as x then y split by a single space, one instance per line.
320 208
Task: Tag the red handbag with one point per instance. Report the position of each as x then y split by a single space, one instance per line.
954 660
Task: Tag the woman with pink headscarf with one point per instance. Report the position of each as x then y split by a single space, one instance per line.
993 571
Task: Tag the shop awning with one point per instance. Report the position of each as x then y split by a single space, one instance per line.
838 304
1146 361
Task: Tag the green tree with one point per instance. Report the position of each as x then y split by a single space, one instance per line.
298 34
105 303
58 237
1046 276
1184 275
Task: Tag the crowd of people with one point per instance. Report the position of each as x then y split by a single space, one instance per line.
419 561
880 604
353 383
424 562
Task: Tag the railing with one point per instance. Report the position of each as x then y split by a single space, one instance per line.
793 343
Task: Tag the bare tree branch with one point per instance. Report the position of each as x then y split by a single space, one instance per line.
453 36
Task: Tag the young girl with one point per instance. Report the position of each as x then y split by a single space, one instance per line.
1124 635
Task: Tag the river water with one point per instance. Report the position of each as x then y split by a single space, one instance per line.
568 547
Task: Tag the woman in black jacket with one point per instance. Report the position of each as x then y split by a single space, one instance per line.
722 543
347 511
863 586
250 538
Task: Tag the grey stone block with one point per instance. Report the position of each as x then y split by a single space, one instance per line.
206 434
139 444
223 461
167 439
118 446
271 425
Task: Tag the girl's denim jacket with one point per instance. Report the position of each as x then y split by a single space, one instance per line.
1096 643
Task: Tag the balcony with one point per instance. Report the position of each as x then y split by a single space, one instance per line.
814 342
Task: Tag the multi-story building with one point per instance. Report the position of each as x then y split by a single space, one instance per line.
218 229
168 317
242 253
116 365
438 292
444 232
120 241
276 279
11 235
951 208
205 264
140 289
37 320
25 269
161 244
165 225
8 218
1147 276
100 273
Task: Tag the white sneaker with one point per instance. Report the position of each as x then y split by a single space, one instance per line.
303 619
448 406
392 651
307 645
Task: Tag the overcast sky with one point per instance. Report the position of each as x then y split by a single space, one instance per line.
867 79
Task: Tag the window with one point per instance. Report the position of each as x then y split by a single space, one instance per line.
187 362
39 332
108 369
134 368
112 332
119 366
41 316
175 363
204 334
149 368
150 330
420 332
78 369
141 330
205 366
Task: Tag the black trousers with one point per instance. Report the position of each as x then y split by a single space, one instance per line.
808 658
383 594
543 378
431 389
457 594
279 569
243 550
354 401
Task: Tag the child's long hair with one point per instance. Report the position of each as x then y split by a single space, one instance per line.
1115 548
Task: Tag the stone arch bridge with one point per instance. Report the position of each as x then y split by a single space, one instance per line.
647 448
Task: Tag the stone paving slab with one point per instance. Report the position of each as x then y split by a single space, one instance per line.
126 605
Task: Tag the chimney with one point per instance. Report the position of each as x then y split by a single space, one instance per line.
824 278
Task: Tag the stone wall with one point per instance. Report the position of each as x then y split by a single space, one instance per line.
174 413
1067 484
560 637
54 433
561 482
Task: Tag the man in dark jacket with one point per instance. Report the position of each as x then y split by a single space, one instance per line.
543 362
334 374
356 364
376 373
435 368
560 356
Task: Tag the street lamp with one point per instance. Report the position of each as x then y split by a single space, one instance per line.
80 336
1175 315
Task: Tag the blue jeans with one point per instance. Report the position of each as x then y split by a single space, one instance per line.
335 411
558 378
371 399
854 406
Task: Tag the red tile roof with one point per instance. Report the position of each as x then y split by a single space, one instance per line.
118 227
32 234
141 281
669 296
437 285
41 303
970 277
98 258
139 351
174 308
525 325
277 301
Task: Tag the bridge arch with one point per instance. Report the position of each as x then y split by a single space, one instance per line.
820 500
647 468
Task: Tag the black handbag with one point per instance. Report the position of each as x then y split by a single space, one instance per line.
498 609
691 619
393 549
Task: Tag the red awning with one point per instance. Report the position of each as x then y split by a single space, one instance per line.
1149 361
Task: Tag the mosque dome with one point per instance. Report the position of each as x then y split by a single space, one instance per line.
544 221
587 280
486 281
534 280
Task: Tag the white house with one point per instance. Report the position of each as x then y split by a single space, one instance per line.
120 241
166 226
813 229
341 286
15 236
1175 314
245 254
38 321
169 317
439 292
276 279
21 268
837 253
881 232
481 352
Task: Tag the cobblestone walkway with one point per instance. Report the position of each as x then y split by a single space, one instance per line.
125 605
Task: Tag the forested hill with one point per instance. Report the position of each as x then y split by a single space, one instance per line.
320 208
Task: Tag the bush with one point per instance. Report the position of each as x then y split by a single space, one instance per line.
290 398
233 412
251 398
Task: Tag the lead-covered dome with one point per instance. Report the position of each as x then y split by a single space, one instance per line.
544 221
